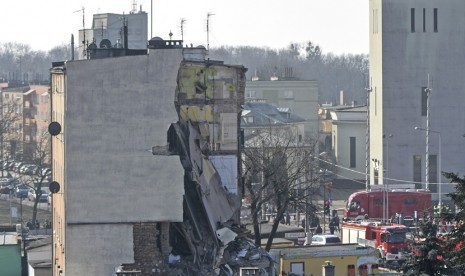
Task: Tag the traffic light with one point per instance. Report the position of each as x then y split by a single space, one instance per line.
327 203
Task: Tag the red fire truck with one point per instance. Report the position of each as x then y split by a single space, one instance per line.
395 201
390 239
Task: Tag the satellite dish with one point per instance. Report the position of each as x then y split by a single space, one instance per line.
54 187
105 43
54 128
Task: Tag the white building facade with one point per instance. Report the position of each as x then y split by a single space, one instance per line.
349 142
415 45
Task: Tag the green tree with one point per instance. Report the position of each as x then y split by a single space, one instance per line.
428 252
456 237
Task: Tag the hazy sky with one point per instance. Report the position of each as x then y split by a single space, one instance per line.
338 26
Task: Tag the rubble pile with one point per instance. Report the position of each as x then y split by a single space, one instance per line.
242 252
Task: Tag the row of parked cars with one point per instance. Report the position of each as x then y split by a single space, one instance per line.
14 187
24 167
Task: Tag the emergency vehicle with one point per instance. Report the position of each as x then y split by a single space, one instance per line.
388 238
407 202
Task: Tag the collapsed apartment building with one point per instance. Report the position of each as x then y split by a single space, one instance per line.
146 165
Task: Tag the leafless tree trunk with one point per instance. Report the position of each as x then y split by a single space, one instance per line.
277 173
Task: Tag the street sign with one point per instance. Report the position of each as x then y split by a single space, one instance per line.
14 212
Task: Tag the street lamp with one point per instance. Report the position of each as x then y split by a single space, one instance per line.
439 162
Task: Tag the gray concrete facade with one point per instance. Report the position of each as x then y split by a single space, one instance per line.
411 42
114 110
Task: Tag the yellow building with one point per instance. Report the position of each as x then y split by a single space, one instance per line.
347 259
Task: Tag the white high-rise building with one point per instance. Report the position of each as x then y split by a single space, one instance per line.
417 46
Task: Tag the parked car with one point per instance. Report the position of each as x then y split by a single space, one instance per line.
325 239
43 195
6 189
7 185
44 171
29 169
21 191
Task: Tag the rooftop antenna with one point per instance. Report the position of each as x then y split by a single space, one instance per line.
83 28
208 29
151 18
134 6
182 28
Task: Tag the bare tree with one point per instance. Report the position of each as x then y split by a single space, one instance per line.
37 179
278 169
10 119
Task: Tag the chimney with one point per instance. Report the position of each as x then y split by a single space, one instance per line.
72 47
341 97
328 269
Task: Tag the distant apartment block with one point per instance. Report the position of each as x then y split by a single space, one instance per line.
18 115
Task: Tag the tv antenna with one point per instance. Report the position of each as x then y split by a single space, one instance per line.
83 27
134 6
182 28
208 30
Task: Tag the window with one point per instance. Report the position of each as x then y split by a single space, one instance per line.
375 21
424 20
378 201
352 153
417 168
424 101
289 94
297 268
433 172
410 201
250 94
412 20
435 20
7 96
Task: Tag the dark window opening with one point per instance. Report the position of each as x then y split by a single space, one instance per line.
435 20
410 201
353 154
412 20
417 170
378 201
424 101
433 172
424 20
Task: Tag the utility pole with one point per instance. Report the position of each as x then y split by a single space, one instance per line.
367 141
428 91
182 28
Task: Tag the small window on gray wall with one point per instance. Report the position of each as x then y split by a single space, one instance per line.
424 101
412 20
353 154
435 20
424 20
417 168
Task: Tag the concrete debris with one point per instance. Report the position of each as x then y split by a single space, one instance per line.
225 235
242 252
173 258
